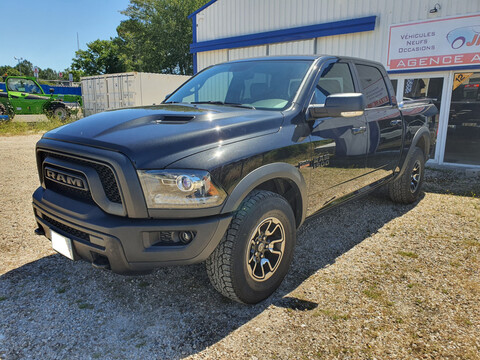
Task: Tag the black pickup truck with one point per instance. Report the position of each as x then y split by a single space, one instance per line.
228 167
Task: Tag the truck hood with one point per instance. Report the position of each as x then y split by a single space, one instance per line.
154 137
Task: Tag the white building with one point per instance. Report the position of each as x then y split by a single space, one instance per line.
429 47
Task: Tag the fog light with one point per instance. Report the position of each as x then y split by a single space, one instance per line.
186 236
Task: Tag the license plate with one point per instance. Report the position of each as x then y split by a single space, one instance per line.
62 245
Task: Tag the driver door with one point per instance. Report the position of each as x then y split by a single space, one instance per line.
339 143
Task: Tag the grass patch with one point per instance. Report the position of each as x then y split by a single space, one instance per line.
471 242
85 306
10 128
372 293
332 314
142 344
409 254
143 284
61 290
2 298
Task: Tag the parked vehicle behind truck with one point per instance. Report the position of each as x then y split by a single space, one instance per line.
24 96
229 167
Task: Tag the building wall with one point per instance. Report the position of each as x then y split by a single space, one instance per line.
227 18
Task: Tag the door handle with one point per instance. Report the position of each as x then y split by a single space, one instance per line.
359 130
396 122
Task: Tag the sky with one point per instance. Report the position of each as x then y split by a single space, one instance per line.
44 32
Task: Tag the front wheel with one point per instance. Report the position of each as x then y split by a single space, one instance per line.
255 253
407 188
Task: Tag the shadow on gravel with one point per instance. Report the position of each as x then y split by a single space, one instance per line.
54 308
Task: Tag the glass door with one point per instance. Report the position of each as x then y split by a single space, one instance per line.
426 87
463 133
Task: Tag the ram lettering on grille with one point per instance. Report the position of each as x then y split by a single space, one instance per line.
65 179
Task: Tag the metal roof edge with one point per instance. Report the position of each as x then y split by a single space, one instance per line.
201 8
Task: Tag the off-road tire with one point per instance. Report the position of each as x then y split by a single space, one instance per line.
59 111
227 266
406 188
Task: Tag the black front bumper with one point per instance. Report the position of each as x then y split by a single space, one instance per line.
125 242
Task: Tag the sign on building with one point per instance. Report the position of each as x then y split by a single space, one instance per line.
447 42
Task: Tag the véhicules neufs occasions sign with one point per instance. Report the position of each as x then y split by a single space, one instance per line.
447 42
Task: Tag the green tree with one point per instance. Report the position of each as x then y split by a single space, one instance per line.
157 35
8 71
47 74
25 68
77 74
101 57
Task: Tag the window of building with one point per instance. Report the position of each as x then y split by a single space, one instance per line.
463 134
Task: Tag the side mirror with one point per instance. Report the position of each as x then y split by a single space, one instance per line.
339 105
167 96
52 90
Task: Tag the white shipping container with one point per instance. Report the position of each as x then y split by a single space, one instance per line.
116 91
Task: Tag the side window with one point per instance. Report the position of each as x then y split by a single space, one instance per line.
336 78
373 86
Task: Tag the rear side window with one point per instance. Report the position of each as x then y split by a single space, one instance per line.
373 86
336 79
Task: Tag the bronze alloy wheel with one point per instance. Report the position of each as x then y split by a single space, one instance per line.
266 248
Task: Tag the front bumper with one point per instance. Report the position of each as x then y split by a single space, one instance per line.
125 242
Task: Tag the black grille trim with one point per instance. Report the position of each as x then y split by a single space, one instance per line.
78 194
104 172
67 229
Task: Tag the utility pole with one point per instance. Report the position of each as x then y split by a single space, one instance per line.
78 43
19 61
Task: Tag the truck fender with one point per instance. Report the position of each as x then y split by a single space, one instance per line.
263 174
422 135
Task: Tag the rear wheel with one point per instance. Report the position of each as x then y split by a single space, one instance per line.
407 188
59 111
255 253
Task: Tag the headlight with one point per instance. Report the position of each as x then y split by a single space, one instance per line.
179 189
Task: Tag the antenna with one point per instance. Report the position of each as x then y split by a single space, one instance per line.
19 61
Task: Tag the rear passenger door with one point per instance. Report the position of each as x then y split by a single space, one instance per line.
384 121
340 143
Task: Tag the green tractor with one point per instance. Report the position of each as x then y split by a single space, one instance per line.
24 96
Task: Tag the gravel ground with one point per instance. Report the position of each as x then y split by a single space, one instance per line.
370 279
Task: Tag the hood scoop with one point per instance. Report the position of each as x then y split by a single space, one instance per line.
173 119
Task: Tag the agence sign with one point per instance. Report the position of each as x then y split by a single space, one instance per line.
447 42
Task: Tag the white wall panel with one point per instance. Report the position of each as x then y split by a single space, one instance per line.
227 18
304 47
247 52
208 58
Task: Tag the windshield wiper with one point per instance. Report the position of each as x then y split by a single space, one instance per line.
224 103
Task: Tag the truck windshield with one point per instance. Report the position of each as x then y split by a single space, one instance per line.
265 84
23 85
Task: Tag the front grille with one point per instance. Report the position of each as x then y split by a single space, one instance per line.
67 229
105 174
69 191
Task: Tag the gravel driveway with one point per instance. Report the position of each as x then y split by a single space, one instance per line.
370 279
